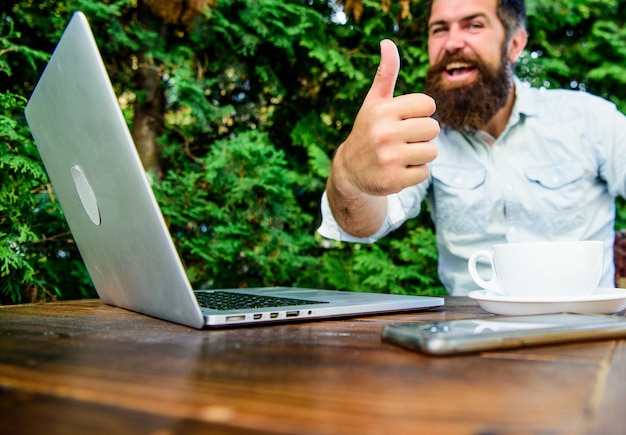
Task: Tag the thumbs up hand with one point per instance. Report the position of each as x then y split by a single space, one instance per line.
386 151
388 147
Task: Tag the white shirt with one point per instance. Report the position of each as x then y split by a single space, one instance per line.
553 174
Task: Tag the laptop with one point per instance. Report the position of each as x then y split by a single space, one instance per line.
105 194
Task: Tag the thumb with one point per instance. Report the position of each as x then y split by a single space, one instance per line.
385 81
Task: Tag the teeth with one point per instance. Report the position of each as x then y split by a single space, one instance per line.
457 65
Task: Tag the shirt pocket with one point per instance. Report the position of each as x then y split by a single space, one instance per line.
460 199
558 195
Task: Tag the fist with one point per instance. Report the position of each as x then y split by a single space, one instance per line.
389 146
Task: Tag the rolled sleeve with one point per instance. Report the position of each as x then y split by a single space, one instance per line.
331 229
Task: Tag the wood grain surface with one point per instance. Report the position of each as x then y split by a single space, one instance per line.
86 367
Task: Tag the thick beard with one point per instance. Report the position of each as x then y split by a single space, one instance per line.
468 108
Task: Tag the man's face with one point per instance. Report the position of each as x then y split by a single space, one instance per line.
462 33
470 76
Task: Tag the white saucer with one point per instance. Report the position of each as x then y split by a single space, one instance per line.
601 301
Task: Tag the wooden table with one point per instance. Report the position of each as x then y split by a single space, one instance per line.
84 367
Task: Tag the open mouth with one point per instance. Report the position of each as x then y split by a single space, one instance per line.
459 68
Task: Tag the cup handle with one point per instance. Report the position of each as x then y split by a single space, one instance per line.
492 284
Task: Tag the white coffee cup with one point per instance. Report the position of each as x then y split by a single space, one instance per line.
541 269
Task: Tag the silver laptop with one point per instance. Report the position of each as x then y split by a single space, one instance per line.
116 222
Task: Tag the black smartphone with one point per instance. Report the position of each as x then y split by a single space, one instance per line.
488 333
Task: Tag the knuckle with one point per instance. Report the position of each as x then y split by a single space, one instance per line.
385 157
382 135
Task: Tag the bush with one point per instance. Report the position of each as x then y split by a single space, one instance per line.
235 218
38 259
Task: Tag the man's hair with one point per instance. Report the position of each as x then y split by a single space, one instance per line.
512 14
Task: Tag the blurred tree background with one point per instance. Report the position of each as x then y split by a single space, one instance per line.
236 107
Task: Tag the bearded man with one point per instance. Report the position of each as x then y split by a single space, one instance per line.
498 162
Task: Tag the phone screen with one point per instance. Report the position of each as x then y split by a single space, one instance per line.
471 335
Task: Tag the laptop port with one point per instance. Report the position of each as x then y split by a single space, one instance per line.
292 313
258 316
235 318
273 315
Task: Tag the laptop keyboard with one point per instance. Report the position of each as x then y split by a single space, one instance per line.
225 300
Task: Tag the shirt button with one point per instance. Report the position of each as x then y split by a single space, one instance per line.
458 180
508 187
512 231
555 179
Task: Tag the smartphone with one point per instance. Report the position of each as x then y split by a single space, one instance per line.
488 333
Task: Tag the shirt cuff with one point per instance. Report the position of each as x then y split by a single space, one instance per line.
330 229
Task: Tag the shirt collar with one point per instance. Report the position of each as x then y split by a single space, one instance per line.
525 100
525 105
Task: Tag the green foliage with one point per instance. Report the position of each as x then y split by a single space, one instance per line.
37 257
577 44
18 174
404 264
8 35
236 217
257 96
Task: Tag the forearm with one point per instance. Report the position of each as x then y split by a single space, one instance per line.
357 213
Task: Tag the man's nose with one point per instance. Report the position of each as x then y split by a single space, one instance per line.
455 41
